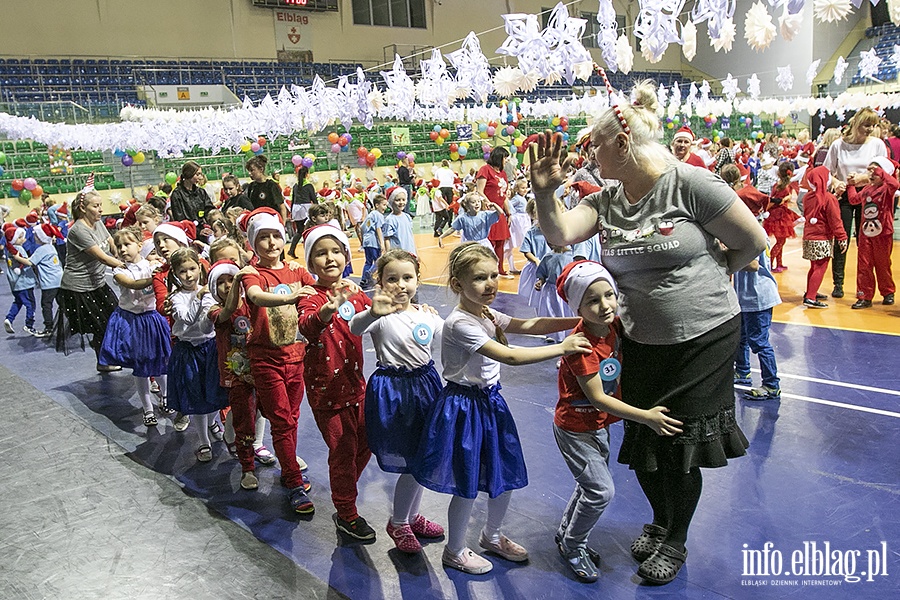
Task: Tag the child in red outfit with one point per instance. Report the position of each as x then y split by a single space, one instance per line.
274 346
823 226
334 372
780 222
877 239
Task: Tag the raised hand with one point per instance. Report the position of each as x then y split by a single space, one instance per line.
383 304
549 163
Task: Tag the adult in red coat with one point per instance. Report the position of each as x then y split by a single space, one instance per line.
823 226
491 183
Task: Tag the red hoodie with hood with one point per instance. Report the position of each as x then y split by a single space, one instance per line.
820 208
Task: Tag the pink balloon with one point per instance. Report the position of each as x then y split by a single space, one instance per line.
335 148
361 161
297 160
254 147
491 131
30 183
510 130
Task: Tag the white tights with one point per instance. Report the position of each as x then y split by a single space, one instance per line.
460 512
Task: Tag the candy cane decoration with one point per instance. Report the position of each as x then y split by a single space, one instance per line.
612 99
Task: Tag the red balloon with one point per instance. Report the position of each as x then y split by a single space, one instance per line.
433 135
370 158
454 147
362 152
342 141
261 141
18 185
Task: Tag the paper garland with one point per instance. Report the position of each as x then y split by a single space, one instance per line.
785 79
869 63
830 11
607 32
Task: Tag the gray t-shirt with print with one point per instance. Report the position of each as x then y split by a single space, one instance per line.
671 272
83 272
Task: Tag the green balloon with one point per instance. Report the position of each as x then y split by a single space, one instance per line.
171 178
2 158
25 196
131 152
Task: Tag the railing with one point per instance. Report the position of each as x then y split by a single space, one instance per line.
55 111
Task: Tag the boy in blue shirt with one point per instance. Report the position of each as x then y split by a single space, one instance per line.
475 224
373 238
45 261
21 281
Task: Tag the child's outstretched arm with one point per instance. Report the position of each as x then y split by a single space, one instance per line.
654 418
232 300
518 355
382 305
131 283
542 325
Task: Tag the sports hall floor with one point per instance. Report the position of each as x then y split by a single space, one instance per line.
96 506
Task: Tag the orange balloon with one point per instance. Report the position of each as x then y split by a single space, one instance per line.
37 191
333 137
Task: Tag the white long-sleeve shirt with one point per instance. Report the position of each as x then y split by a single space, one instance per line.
189 315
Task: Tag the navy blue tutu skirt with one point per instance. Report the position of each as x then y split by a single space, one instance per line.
140 342
194 379
397 402
470 444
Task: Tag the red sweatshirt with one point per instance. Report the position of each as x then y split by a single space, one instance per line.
333 368
820 207
883 196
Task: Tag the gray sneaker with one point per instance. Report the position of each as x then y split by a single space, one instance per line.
7 325
182 422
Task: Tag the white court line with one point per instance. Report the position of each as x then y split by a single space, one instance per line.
875 411
854 386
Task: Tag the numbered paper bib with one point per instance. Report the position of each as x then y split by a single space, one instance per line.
282 289
347 310
422 334
610 369
241 324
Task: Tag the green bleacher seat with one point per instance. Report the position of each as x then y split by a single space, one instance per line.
51 189
9 147
95 157
38 147
101 185
117 185
22 146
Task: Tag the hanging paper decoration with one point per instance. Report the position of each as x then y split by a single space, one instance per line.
624 54
506 81
662 94
675 99
869 62
692 95
648 54
400 94
753 86
785 79
894 10
563 40
655 26
812 71
528 82
730 87
839 69
435 87
829 11
524 41
758 28
789 24
705 90
727 33
689 41
607 32
473 71
716 13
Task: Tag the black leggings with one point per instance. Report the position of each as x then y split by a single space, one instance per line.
299 228
850 217
673 496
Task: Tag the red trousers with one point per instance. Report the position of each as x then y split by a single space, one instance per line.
498 250
243 415
814 277
777 249
874 255
279 391
344 432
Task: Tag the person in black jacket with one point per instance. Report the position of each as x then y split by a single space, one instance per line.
405 180
189 201
236 195
264 191
302 197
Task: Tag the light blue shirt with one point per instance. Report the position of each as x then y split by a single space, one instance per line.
589 248
46 263
535 243
373 222
475 227
757 291
517 203
397 229
24 279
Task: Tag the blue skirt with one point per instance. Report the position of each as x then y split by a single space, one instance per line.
140 342
194 379
397 402
470 444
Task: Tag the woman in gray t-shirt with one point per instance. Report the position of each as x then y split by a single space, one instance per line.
659 231
85 300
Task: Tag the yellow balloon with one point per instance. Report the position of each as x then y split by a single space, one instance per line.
555 121
670 125
439 141
245 147
517 142
464 144
139 158
376 152
454 156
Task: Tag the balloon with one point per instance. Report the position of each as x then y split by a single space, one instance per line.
130 152
434 135
14 193
510 130
517 142
564 121
296 160
482 127
410 157
554 121
463 150
127 161
345 147
25 196
401 155
171 178
310 156
332 138
444 133
254 146
29 183
37 192
361 152
485 147
245 147
335 147
2 158
139 158
258 152
348 136
716 138
491 131
377 153
118 153
464 144
437 129
487 155
342 142
453 147
261 141
18 185
565 137
439 141
670 125
361 161
454 156
1 171
307 162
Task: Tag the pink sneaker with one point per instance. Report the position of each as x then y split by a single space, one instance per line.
506 548
404 538
425 528
467 562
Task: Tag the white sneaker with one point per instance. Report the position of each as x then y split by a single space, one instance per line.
504 547
467 561
7 325
302 464
249 481
182 422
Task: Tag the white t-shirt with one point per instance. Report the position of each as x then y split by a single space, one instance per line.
404 339
189 315
844 158
464 334
445 176
355 209
136 301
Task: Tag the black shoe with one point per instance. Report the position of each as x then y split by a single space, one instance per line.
821 296
837 292
357 528
888 300
814 303
862 304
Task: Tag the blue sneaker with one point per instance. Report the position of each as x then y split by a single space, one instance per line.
763 393
742 379
300 502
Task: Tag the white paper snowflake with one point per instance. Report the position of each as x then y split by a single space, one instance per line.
675 99
506 81
691 99
869 62
753 86
562 38
785 79
730 87
473 71
624 54
716 12
790 24
656 25
829 11
759 31
607 34
839 68
727 33
400 95
689 41
812 71
524 41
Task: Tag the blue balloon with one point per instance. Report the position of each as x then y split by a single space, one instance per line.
437 128
345 148
118 153
258 152
1 171
565 137
14 193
